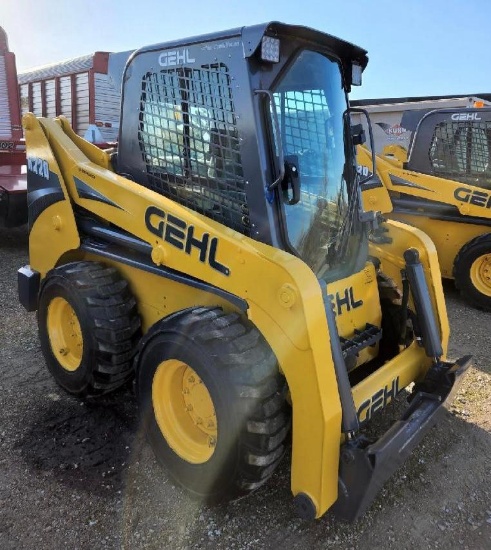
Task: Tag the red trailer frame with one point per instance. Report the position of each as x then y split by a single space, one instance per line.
86 90
13 179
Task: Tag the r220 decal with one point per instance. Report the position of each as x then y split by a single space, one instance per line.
363 171
38 166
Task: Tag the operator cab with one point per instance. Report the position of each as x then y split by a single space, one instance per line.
251 128
454 144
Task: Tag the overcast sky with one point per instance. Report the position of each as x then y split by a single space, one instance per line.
416 47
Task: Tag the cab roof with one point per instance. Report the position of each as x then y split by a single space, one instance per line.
251 38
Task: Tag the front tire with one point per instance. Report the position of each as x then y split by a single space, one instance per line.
88 327
213 402
472 272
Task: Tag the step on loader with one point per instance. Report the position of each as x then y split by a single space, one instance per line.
222 259
442 185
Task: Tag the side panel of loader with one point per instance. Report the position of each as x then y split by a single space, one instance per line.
291 320
287 305
449 237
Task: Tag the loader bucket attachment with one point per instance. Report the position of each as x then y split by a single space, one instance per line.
363 470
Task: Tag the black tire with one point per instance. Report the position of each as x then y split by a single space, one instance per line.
108 327
472 276
240 373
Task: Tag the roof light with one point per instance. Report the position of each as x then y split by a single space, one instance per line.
478 104
356 71
270 49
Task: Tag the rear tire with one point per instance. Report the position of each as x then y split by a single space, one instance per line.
472 272
89 328
213 403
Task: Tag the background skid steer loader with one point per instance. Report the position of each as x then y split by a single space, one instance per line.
222 258
442 185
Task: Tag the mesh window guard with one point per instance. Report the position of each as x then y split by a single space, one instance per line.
304 128
461 152
189 142
308 133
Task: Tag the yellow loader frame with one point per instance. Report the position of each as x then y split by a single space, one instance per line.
287 305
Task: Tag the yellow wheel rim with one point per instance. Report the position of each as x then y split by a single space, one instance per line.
184 411
481 274
65 334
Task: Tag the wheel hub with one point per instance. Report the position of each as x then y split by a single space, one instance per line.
198 403
184 411
65 334
480 274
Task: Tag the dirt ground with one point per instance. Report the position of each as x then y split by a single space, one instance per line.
77 474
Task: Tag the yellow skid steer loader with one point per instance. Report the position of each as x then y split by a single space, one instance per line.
442 185
221 257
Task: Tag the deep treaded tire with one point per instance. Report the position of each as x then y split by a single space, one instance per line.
89 327
472 272
205 362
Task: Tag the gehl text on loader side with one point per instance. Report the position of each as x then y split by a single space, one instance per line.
221 257
442 185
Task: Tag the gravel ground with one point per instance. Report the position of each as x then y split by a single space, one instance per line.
77 474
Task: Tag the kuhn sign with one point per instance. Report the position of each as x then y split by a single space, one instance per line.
395 130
